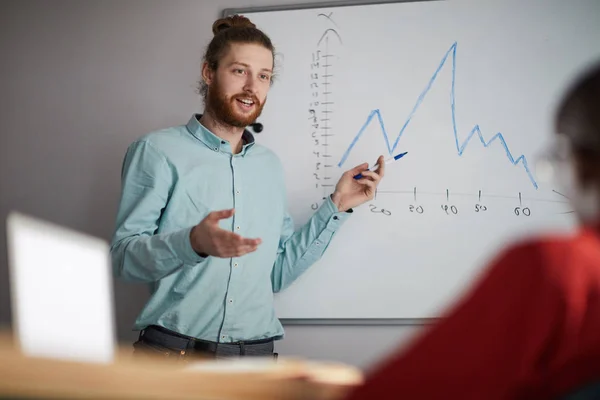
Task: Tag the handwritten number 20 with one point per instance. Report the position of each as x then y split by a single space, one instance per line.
418 209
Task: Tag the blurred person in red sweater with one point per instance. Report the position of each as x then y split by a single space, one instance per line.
529 328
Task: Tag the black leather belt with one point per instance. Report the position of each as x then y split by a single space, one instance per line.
176 341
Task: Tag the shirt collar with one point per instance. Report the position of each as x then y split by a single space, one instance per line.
214 142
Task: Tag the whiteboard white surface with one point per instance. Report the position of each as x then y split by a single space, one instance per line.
468 90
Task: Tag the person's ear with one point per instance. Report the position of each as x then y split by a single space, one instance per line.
208 75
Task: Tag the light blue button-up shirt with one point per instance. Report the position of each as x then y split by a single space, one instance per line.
171 179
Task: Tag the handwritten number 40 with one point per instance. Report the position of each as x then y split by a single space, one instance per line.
450 209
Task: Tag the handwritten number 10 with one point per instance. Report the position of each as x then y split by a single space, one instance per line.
379 210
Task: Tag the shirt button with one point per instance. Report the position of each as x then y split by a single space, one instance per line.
237 192
231 300
235 265
237 227
317 243
335 217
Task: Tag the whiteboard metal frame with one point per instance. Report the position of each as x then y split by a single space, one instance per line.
336 321
358 321
303 6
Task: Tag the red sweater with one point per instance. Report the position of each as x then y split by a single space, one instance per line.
529 329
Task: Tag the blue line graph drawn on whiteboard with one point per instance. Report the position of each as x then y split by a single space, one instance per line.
460 147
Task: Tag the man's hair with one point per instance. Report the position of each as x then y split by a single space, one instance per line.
578 114
233 29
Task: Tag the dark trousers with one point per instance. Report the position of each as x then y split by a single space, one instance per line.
159 342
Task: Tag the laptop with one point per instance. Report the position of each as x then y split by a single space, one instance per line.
61 291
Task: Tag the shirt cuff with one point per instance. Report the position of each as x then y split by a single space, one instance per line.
329 213
182 246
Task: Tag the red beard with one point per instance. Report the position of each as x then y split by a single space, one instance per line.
227 110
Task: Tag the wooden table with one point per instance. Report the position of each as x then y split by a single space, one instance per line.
125 378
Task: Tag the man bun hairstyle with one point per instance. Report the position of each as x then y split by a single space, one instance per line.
234 21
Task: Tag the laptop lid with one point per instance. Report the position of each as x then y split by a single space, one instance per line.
61 291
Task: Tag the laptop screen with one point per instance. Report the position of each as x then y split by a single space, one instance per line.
61 291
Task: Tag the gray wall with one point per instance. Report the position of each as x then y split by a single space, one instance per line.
79 80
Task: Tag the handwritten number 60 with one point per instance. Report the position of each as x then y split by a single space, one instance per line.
525 211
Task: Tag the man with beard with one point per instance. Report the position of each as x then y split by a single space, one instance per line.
202 217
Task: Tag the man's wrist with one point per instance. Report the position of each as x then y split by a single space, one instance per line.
195 245
336 199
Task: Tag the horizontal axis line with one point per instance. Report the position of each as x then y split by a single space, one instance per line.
411 192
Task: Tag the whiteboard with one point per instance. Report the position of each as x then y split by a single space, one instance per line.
468 90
